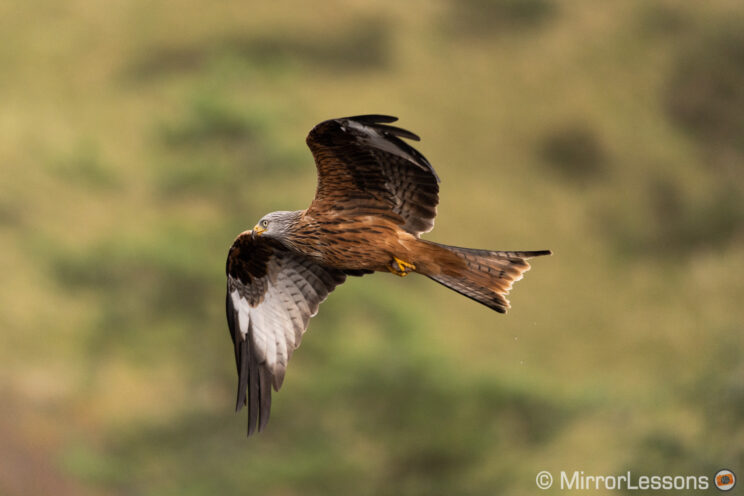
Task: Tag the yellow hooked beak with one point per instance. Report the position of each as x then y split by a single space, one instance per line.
258 230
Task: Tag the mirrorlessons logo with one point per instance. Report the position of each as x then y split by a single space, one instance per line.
579 480
724 480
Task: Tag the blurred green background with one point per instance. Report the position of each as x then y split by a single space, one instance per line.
137 139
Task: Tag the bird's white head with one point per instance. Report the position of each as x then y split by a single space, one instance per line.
277 224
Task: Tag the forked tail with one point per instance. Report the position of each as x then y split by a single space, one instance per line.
482 275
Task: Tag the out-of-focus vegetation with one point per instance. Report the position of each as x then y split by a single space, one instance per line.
139 138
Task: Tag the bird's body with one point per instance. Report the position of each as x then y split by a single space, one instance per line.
376 195
349 241
368 243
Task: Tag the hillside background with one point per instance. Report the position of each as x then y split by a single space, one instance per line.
138 138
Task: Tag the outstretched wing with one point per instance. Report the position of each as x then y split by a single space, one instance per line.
271 294
364 167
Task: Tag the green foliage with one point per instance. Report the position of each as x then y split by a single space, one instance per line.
489 17
716 397
574 152
84 167
661 19
210 122
214 150
461 419
678 223
361 46
706 90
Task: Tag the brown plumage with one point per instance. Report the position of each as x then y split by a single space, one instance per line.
376 195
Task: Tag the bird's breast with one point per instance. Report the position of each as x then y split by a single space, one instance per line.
357 243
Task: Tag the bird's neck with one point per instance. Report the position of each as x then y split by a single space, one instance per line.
302 236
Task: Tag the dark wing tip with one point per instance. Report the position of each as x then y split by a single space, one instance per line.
370 118
393 134
396 131
366 119
259 394
538 253
377 122
242 374
265 380
357 272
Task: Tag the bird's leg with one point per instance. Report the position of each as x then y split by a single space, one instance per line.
400 268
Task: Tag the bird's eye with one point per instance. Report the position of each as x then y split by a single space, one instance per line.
264 223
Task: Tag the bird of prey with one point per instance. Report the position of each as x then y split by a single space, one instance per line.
375 196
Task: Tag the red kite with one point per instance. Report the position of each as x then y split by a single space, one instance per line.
376 195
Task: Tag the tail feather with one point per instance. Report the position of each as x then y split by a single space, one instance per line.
481 275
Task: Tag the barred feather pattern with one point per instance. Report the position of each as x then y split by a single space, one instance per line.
365 168
482 275
272 293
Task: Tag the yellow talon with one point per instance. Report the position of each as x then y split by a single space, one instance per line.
400 268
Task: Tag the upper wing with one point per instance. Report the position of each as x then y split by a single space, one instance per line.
365 167
271 295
